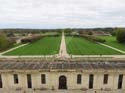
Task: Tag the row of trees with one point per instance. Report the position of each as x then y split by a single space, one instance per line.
33 31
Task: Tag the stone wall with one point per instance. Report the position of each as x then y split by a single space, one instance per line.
52 79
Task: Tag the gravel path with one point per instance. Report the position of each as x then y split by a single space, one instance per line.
112 48
13 49
98 56
63 51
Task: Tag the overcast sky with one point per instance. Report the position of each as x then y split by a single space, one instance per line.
62 13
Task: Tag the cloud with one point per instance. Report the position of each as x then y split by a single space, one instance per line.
62 13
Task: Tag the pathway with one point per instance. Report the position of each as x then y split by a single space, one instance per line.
112 48
63 51
13 49
98 56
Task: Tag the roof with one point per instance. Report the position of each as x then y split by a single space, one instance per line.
60 65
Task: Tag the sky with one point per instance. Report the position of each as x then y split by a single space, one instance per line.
62 13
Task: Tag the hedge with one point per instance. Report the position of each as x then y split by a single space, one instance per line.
31 39
94 38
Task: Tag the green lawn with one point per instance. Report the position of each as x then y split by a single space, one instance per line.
45 46
110 40
81 46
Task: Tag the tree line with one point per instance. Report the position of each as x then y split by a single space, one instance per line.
5 42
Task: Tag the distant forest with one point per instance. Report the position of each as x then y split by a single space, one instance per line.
45 30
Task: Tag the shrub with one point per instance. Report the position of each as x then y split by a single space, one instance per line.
120 35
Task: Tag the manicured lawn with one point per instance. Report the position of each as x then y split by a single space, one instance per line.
81 46
110 40
45 46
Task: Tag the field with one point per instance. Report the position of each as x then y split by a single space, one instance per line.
45 46
80 46
110 40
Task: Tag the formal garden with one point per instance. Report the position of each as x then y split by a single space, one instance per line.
77 43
